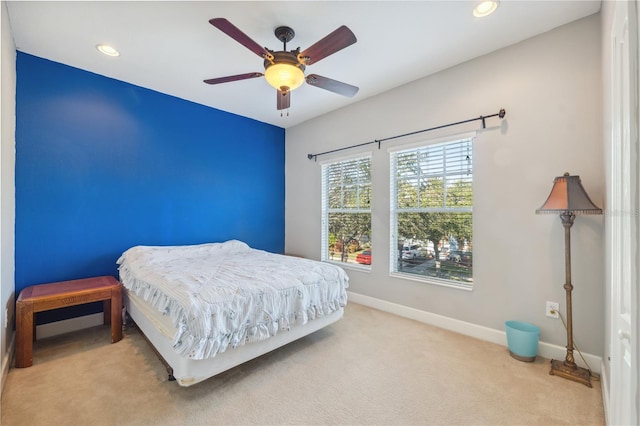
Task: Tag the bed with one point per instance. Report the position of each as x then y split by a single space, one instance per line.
209 307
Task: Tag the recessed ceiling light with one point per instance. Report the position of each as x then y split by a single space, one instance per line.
107 50
485 7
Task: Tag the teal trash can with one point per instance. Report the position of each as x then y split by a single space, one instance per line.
522 340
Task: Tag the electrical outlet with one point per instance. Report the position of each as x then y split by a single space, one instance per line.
552 310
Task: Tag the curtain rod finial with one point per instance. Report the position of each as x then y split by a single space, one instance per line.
502 113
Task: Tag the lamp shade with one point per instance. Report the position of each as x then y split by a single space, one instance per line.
568 195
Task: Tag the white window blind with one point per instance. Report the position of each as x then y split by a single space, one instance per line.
434 177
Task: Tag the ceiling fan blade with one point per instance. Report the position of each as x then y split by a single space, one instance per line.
233 78
334 86
234 32
284 99
337 40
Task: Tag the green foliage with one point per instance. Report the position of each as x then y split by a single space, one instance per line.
347 230
432 210
435 227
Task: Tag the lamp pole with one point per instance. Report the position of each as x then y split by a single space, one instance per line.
567 221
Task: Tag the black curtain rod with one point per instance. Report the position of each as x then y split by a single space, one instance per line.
500 114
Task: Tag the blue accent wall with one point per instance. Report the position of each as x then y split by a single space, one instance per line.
103 165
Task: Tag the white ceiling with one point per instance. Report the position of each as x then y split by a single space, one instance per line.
170 47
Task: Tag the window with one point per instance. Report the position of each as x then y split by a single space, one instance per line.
431 212
346 211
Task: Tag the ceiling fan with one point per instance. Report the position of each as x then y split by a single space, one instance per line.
284 70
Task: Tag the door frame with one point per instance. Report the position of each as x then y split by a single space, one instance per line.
623 221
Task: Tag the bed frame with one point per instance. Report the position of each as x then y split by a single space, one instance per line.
159 332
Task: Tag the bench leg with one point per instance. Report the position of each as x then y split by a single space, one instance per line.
116 314
24 334
106 311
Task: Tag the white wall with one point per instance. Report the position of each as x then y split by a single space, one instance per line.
550 88
7 189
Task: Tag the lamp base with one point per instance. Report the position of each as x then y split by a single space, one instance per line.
577 374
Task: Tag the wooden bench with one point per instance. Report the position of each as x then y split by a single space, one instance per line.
44 297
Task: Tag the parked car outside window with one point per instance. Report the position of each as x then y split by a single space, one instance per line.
364 258
410 252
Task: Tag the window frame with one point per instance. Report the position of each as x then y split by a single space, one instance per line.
325 210
393 210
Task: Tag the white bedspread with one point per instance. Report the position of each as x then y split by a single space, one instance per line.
222 295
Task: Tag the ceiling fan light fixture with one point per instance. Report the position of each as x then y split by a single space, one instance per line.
284 75
485 8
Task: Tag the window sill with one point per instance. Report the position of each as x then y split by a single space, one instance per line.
432 281
361 268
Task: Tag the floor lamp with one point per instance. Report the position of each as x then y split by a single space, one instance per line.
568 198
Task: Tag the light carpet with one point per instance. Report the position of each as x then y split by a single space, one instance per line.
369 368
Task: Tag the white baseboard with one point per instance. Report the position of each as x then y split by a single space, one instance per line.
69 325
604 383
6 361
545 350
